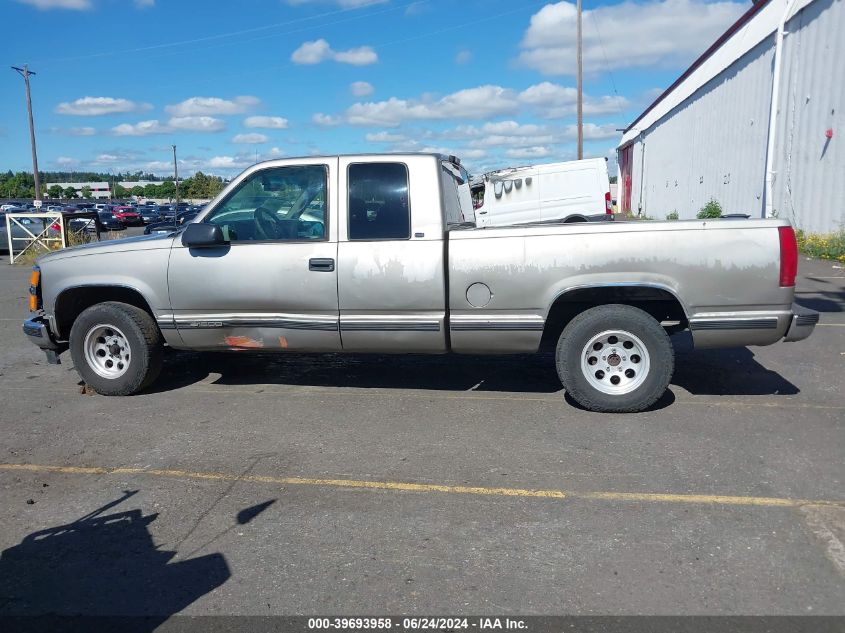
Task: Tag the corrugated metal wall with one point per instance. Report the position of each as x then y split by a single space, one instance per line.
713 145
809 186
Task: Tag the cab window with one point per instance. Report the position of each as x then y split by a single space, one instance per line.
378 202
277 204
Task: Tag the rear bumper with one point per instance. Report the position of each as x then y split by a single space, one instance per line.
738 329
802 324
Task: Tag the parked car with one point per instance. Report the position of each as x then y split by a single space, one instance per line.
22 228
573 191
390 260
127 215
109 222
149 214
170 225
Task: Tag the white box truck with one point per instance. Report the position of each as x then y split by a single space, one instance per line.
573 191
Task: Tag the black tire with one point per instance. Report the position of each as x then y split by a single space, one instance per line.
590 323
141 334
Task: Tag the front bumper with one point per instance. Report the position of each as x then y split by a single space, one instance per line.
802 323
37 330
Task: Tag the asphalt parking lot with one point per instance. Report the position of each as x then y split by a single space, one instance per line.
440 485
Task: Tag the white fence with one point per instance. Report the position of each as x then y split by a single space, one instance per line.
43 232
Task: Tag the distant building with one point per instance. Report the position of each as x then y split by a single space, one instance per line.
100 190
755 123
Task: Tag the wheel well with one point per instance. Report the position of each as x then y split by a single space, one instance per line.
73 301
570 219
660 304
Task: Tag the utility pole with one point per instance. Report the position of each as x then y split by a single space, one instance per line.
176 176
580 87
25 73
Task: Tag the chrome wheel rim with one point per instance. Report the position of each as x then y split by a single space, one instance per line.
615 362
107 351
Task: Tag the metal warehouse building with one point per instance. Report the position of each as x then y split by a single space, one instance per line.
755 123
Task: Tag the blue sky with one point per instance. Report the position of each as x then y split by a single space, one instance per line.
119 81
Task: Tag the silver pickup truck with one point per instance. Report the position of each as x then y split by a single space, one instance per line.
380 253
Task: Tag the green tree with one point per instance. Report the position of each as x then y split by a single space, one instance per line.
137 190
54 192
70 193
151 191
120 191
86 192
166 190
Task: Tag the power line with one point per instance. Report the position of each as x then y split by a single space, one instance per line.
220 35
604 52
404 40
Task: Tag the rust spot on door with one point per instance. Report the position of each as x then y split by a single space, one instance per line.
283 342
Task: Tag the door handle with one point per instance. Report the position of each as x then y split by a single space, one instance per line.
321 264
482 213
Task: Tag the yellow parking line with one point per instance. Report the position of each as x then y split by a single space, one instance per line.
643 497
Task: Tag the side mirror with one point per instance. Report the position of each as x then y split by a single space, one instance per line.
200 234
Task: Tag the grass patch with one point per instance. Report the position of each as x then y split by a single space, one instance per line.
823 246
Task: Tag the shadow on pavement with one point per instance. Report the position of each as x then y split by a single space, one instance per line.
821 300
710 372
100 565
523 373
724 372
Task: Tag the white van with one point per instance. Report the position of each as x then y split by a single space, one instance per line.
574 191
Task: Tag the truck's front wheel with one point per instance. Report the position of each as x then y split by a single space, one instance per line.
116 348
615 358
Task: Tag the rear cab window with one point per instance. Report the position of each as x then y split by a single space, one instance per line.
378 203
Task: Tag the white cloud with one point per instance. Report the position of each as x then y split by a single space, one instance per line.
45 5
496 128
463 57
554 101
312 52
361 56
81 131
253 137
142 128
275 152
529 152
66 161
474 103
593 132
229 162
326 120
268 122
208 106
98 106
197 123
185 123
665 33
361 88
385 137
319 51
547 100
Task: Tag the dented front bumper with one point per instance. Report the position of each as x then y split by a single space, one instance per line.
37 330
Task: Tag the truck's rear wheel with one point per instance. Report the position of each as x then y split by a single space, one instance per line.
615 358
116 348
